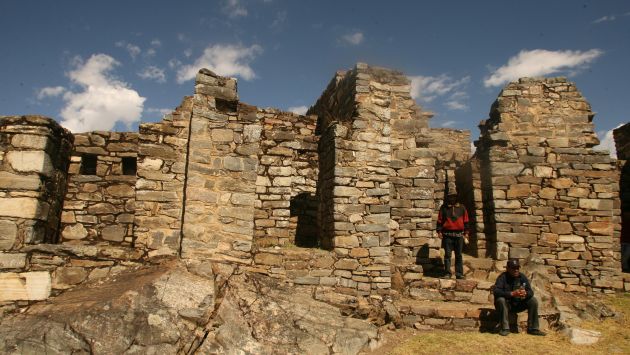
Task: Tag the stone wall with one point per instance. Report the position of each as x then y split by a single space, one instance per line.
354 115
622 143
99 205
34 157
40 271
221 173
162 157
547 194
286 206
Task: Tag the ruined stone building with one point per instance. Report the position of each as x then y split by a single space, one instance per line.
345 196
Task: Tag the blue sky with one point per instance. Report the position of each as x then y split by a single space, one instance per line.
113 64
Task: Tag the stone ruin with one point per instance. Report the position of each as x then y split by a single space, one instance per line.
344 197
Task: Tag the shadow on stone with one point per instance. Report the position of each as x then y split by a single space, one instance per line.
304 207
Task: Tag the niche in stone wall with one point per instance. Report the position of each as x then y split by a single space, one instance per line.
88 164
129 166
304 208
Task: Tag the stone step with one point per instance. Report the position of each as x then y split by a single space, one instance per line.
425 314
450 290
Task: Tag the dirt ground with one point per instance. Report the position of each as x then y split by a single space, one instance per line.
615 338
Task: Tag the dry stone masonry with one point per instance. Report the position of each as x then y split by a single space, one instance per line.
547 195
344 198
100 198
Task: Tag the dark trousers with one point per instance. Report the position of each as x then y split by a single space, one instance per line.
504 308
456 244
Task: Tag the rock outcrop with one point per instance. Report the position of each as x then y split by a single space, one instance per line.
177 307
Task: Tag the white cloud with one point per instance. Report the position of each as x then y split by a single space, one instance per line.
131 48
188 52
605 19
152 72
234 9
156 43
174 63
160 111
150 52
354 38
449 123
457 102
280 19
473 149
427 88
607 142
51 91
300 110
226 60
103 101
539 62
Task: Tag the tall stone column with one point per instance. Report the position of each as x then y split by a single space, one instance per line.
221 175
34 158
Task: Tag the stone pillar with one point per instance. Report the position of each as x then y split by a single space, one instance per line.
161 178
221 175
34 157
354 116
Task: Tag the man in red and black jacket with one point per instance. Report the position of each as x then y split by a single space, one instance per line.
453 228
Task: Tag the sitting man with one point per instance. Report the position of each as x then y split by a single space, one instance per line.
453 227
513 293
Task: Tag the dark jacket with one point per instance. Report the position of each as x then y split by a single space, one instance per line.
506 284
453 218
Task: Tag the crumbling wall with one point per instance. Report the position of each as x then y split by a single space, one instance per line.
548 195
162 158
99 205
34 157
286 206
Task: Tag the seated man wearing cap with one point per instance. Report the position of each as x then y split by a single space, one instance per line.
513 293
453 228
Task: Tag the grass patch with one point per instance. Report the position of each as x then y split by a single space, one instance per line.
615 339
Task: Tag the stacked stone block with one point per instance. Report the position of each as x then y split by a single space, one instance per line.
549 195
221 173
99 206
34 157
286 206
162 157
412 183
360 104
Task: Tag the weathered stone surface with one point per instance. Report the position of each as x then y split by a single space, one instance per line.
74 231
30 161
580 336
19 182
8 234
114 233
165 307
28 286
23 207
29 141
12 260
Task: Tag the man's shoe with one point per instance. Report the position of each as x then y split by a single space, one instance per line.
504 332
536 332
461 277
448 275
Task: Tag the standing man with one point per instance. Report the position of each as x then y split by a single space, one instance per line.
513 293
453 228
